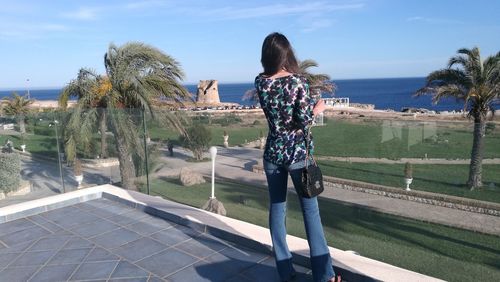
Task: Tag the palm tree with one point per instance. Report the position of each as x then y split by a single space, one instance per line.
138 74
318 83
477 84
92 91
18 106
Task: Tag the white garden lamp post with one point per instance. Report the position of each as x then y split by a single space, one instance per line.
213 205
213 153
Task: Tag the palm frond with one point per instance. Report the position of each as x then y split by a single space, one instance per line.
251 95
317 82
450 90
123 124
174 120
306 64
475 83
17 105
141 72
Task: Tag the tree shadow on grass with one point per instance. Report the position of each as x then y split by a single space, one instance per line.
407 231
401 175
348 218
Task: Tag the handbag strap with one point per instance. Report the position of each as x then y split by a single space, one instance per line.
307 138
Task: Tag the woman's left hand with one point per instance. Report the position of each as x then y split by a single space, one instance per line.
319 107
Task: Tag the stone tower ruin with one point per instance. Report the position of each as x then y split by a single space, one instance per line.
208 92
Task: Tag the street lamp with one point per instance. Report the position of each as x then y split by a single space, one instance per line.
213 205
55 123
28 88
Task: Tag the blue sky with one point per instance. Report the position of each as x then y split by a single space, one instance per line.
47 42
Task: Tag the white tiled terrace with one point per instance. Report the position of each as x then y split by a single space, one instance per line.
106 233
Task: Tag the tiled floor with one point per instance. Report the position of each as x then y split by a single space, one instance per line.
102 240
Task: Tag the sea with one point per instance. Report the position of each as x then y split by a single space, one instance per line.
385 93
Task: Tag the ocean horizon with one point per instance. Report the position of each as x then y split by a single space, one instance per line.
385 93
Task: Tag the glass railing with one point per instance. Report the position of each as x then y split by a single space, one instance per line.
374 167
369 150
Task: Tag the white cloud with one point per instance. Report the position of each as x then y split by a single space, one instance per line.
317 24
17 30
146 4
231 13
53 27
414 19
432 20
85 14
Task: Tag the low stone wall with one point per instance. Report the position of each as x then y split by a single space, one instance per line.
415 196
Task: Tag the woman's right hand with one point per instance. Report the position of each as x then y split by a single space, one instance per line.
319 107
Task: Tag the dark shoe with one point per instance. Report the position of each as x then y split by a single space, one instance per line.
336 278
292 277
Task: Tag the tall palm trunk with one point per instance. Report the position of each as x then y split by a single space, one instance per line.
476 160
102 129
22 126
127 167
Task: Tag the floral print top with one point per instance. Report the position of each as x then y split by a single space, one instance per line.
288 108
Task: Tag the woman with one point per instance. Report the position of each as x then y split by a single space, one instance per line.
289 109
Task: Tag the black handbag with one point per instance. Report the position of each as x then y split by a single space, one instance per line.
312 178
312 181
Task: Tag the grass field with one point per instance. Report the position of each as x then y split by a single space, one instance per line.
369 138
436 178
385 139
344 138
439 251
340 138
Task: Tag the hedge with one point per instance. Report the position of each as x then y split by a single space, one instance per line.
10 171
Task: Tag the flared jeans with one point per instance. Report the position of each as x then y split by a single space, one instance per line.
321 262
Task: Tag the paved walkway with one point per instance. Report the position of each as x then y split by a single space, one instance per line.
235 163
46 180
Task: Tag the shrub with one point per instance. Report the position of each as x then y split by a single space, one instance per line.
227 120
10 171
408 170
196 140
201 119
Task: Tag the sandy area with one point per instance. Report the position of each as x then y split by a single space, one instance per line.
338 112
48 104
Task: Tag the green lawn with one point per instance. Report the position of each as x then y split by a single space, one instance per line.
381 139
340 138
438 178
35 144
238 135
439 251
370 138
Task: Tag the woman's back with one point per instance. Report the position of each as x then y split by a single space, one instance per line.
287 106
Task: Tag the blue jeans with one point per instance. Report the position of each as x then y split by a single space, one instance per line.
321 262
